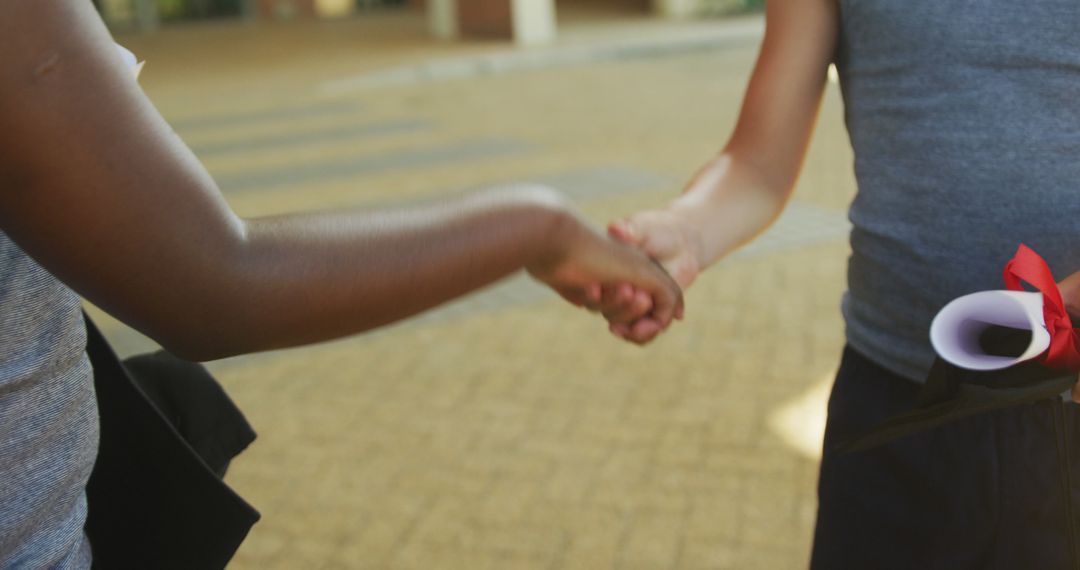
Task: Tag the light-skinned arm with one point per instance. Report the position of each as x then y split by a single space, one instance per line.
741 191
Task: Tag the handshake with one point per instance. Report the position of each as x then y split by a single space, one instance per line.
633 277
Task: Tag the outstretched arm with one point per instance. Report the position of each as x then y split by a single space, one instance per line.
97 188
737 194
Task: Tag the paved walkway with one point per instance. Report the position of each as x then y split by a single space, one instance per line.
508 430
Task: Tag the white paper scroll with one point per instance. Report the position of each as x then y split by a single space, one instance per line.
956 328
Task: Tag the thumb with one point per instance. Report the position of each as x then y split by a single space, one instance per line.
1070 293
624 231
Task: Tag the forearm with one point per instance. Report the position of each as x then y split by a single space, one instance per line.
740 192
727 204
305 278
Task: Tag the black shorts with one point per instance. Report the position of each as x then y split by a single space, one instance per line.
991 491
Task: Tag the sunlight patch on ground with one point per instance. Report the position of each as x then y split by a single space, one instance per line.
800 422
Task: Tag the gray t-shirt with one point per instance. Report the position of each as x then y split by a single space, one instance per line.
964 117
48 418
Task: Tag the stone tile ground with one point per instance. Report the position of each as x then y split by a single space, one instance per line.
508 430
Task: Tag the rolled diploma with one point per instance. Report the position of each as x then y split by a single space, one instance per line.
956 328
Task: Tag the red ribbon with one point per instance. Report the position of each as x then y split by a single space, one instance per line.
1030 267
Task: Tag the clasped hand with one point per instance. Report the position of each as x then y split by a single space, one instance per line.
633 279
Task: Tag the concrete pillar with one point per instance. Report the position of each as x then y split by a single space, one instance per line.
443 19
677 8
526 22
533 22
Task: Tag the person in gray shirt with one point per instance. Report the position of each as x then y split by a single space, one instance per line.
965 126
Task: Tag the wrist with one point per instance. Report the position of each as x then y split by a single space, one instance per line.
692 219
551 225
727 204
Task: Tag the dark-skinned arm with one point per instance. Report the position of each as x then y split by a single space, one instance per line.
99 190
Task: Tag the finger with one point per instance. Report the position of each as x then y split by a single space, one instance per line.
623 231
618 304
620 330
644 331
593 292
608 306
665 305
641 304
618 295
592 296
665 292
1070 293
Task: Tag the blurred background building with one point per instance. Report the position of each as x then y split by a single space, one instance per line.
524 21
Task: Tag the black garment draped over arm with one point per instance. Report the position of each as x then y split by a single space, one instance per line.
168 431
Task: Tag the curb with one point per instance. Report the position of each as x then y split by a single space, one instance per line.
676 40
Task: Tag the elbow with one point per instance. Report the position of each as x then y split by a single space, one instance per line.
206 319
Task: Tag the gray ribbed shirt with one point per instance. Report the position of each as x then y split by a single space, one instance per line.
964 117
48 418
